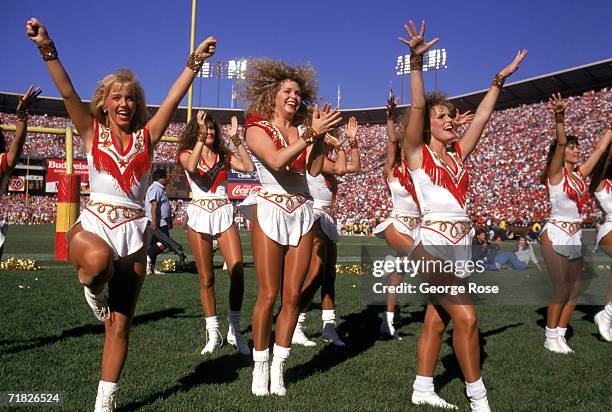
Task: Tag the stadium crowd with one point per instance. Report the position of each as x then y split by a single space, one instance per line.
504 169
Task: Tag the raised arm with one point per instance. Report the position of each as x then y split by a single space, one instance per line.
77 110
188 161
602 146
413 135
485 108
351 132
21 131
555 169
337 167
391 135
244 162
160 121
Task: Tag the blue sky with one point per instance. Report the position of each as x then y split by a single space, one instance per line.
351 43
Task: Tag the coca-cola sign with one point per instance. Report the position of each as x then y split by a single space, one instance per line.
242 190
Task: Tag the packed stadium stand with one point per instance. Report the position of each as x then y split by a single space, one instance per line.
504 169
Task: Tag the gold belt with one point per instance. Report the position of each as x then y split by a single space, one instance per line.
410 221
454 228
285 200
329 209
570 228
210 204
112 214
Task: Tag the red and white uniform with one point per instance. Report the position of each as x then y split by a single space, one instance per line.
118 185
210 210
564 225
284 206
323 190
3 181
604 197
406 215
441 189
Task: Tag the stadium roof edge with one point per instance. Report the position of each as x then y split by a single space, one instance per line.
569 82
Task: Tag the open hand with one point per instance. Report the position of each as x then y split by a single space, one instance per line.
417 42
391 105
556 103
462 118
331 140
351 128
512 67
234 126
325 120
201 118
29 97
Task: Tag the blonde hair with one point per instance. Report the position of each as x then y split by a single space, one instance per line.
263 79
123 77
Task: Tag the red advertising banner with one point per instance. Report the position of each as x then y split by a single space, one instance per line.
241 190
57 167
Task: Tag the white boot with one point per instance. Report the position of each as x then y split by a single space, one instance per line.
477 394
424 394
277 384
98 303
386 327
234 337
261 373
551 342
299 337
214 339
329 332
603 320
562 342
105 400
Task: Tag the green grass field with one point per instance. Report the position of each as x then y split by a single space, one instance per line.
50 341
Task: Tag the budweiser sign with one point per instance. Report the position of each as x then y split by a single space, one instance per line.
242 190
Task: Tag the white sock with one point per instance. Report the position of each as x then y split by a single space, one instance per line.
261 355
212 322
423 384
301 319
328 315
107 387
281 352
608 310
476 390
561 331
390 316
98 296
234 318
551 333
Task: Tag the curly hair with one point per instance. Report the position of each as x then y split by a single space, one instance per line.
263 79
551 152
432 100
189 137
122 77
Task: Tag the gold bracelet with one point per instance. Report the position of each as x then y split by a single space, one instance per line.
353 144
338 148
498 80
416 62
559 117
236 140
22 115
309 136
48 51
202 136
195 62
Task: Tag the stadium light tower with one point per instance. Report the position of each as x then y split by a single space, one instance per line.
433 60
222 69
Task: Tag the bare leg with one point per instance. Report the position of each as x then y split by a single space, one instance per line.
201 247
231 249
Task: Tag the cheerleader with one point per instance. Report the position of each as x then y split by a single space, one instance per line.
107 245
601 187
277 95
210 215
441 183
322 273
8 160
401 226
561 236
